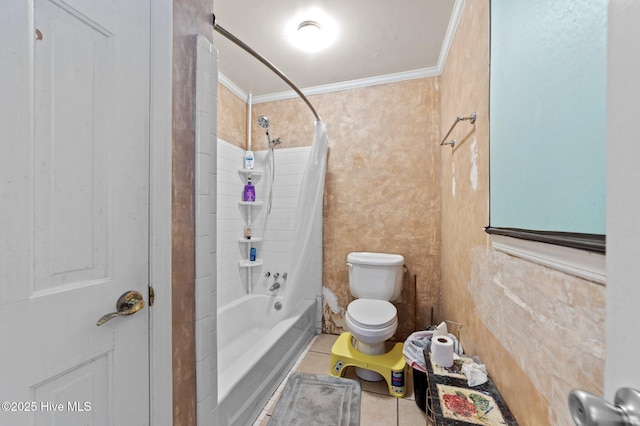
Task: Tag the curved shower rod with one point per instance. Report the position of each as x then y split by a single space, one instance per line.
269 65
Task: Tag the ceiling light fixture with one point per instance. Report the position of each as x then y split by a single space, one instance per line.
311 31
306 26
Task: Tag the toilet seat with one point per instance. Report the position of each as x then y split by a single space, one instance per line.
372 313
371 321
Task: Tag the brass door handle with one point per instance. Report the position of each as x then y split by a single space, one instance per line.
129 303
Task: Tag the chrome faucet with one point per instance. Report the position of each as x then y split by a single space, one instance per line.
276 275
274 286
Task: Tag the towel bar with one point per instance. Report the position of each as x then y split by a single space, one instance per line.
472 120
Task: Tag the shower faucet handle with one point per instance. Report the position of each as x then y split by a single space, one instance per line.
284 275
276 275
267 274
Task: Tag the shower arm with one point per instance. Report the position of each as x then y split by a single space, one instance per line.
268 64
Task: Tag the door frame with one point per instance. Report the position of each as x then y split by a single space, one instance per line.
160 151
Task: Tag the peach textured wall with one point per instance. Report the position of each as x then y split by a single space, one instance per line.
232 117
382 189
539 331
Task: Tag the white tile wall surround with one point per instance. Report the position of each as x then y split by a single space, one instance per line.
205 186
278 238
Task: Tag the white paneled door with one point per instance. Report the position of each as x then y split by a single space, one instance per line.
74 216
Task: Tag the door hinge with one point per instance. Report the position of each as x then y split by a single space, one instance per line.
152 296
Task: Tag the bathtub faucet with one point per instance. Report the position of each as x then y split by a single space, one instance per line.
274 286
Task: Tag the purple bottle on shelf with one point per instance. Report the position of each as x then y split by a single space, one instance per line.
249 191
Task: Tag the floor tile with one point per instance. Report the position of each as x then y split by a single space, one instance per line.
324 343
380 387
409 414
378 410
314 363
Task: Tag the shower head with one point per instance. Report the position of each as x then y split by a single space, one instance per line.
263 121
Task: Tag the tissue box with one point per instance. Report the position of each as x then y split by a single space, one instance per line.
450 401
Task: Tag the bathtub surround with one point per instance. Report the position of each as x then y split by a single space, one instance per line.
278 237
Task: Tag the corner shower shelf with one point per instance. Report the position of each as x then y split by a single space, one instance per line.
245 245
252 240
249 210
255 175
244 263
249 272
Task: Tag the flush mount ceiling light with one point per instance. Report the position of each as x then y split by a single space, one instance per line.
311 31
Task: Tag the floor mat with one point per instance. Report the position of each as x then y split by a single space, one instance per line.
312 399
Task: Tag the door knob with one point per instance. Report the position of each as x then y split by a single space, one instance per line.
129 303
588 409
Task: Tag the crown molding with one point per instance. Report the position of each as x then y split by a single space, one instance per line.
458 7
226 82
348 85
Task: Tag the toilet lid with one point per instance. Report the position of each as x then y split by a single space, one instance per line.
372 313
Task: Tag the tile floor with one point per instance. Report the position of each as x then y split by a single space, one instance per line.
378 408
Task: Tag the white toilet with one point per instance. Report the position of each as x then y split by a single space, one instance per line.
375 280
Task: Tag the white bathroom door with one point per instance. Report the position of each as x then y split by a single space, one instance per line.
74 217
623 198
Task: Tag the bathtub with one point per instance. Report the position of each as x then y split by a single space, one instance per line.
256 349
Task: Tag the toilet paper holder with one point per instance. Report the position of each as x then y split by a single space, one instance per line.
588 409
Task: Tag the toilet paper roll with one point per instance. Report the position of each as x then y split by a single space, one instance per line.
442 351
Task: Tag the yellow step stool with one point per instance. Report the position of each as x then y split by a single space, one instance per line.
391 365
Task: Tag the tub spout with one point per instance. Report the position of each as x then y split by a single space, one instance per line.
274 286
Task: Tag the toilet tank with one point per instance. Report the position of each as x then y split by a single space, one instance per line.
375 275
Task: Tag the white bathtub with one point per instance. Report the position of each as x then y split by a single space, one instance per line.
256 349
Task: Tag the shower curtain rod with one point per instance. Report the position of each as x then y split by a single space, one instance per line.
269 65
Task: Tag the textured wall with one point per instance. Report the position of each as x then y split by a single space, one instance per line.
290 120
540 332
382 189
190 17
232 117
